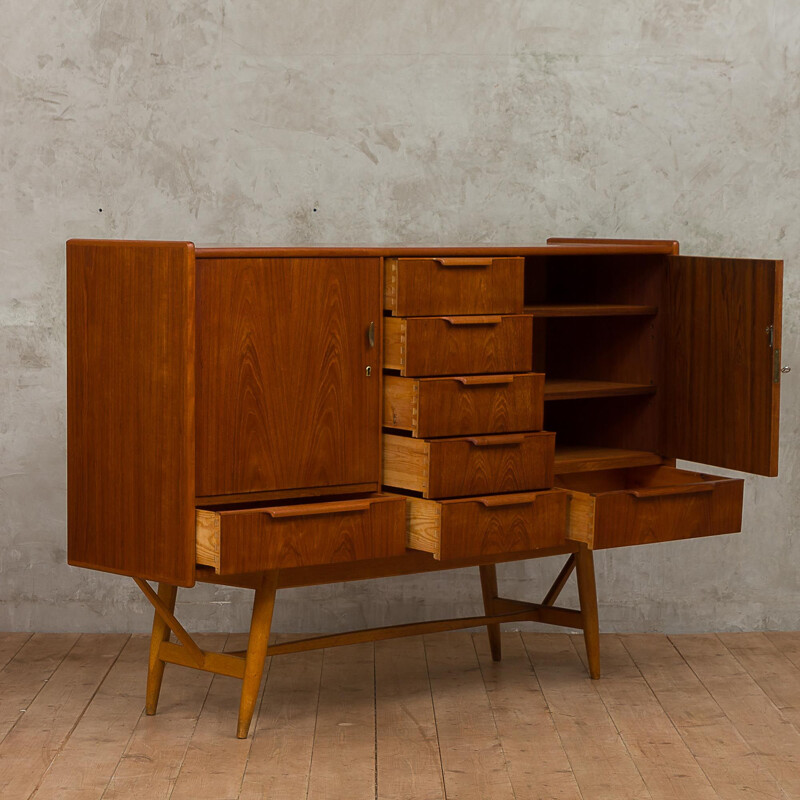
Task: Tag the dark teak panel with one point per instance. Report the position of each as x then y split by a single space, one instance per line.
283 396
130 407
721 392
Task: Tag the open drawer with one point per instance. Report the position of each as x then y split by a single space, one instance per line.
463 285
478 526
464 405
458 345
469 465
300 534
640 505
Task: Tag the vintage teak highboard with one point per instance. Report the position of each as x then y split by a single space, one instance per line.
276 417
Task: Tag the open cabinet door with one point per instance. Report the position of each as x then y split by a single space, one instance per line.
721 377
130 408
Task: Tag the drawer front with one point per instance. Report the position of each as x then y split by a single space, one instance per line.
420 346
465 405
301 535
476 526
657 504
466 285
516 462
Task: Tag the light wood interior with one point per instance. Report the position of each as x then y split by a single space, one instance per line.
424 519
394 329
207 537
405 462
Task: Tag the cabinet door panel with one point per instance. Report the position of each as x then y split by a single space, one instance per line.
130 408
722 340
284 400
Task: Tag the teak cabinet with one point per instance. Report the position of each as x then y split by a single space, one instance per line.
274 417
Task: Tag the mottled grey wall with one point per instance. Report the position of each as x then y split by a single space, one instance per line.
419 121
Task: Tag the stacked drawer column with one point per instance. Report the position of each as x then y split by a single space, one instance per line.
463 411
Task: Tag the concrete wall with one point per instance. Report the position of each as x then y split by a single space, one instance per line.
418 121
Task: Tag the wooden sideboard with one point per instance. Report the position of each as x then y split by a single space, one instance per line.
277 417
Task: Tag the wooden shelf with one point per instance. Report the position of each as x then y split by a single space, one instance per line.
569 389
591 311
579 458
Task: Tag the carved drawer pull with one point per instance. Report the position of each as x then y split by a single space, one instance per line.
482 320
312 509
666 491
497 441
484 380
465 262
504 500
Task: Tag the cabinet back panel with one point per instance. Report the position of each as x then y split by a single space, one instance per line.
602 349
634 279
283 397
620 422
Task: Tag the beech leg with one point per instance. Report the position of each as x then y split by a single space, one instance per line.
587 592
489 590
155 668
263 605
560 582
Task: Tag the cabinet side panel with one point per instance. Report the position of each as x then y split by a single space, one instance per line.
722 335
130 406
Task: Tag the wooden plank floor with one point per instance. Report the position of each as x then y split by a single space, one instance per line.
693 717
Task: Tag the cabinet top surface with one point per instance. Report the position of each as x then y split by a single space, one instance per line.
552 247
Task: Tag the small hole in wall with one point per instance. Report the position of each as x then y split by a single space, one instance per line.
313 209
100 210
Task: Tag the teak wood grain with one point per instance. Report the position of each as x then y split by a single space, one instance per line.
460 467
458 345
302 534
468 404
643 505
722 338
484 526
469 285
131 408
283 397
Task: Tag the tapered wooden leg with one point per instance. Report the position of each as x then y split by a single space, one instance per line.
257 642
155 669
587 592
489 589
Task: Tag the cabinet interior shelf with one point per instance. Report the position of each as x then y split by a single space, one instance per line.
570 389
580 458
573 310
